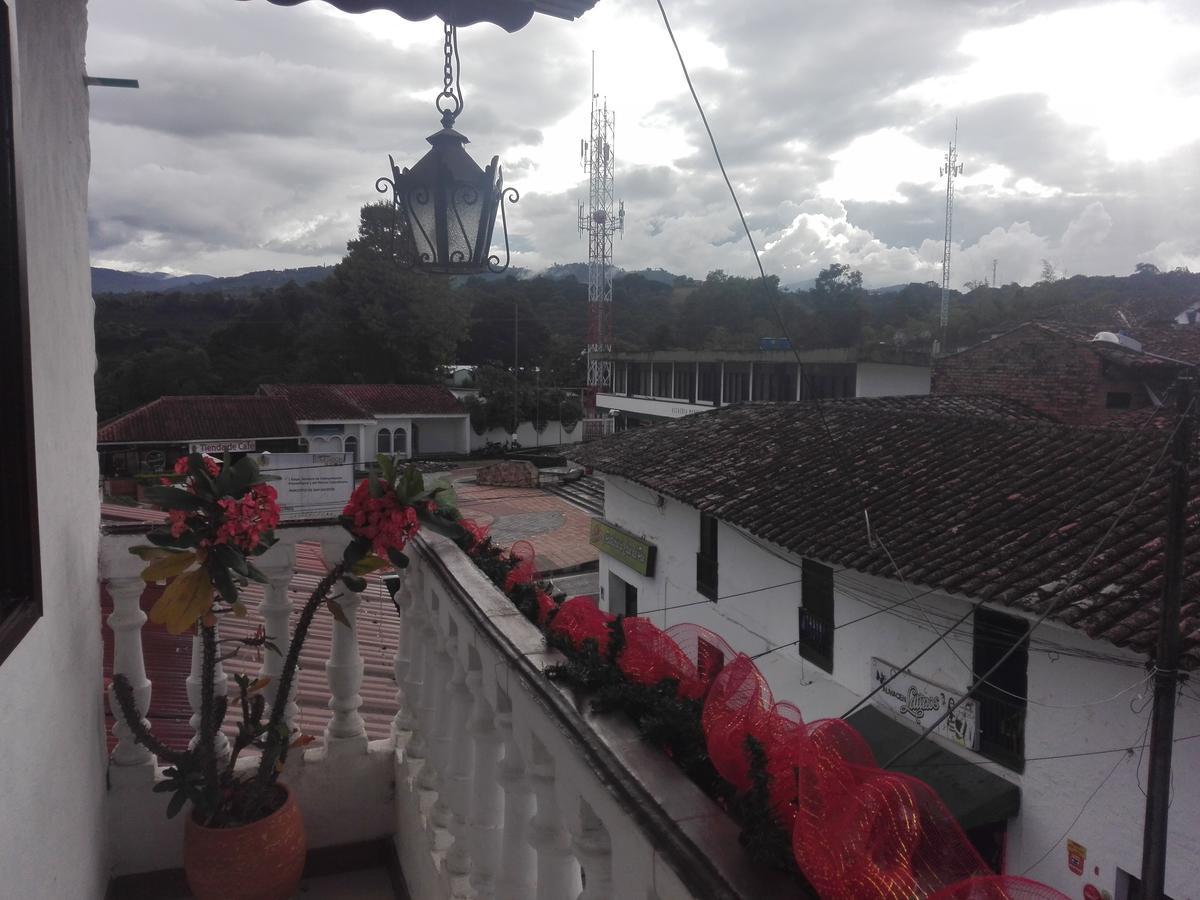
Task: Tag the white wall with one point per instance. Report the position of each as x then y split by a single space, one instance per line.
671 409
1075 705
52 756
553 435
440 436
888 380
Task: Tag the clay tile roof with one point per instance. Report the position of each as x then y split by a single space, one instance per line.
181 419
364 401
988 505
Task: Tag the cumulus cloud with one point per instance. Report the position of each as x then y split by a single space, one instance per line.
259 131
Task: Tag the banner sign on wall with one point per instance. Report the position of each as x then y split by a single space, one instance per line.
310 485
921 702
224 447
633 551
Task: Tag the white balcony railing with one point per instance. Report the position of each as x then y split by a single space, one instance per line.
494 781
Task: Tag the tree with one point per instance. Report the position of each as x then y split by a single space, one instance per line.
1144 268
1048 273
838 281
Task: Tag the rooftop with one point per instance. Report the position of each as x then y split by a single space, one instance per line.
364 401
180 419
969 497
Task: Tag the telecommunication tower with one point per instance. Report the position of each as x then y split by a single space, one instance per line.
951 168
599 221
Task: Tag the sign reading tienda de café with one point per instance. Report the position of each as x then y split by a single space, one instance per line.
633 551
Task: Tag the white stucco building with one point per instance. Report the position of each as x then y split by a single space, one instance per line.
655 386
757 534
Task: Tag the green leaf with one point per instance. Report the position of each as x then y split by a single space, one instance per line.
397 557
354 583
338 612
368 564
373 484
230 558
175 563
173 498
223 582
176 804
184 601
149 554
387 467
412 484
254 573
356 550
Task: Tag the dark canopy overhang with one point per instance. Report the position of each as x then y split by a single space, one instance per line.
973 795
511 15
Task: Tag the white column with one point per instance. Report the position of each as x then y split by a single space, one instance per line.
276 612
344 671
126 622
750 387
557 869
487 798
433 774
428 690
721 386
409 718
594 849
194 682
518 866
457 783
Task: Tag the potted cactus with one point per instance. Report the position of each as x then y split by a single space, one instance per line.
244 836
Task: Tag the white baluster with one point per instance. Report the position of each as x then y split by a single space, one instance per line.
416 624
518 867
487 797
402 668
126 623
345 732
593 847
220 689
557 869
276 611
430 691
457 784
433 773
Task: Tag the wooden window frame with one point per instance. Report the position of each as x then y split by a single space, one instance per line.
20 561
816 614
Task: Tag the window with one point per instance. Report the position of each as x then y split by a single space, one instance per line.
1002 697
708 389
20 591
706 559
1118 400
815 639
383 441
400 441
352 447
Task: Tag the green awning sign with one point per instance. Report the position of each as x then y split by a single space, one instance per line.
633 551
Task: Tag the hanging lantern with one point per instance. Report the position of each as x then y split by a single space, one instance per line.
446 204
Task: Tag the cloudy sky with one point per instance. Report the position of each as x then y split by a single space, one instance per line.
259 131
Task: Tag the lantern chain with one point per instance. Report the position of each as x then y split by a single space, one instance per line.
450 100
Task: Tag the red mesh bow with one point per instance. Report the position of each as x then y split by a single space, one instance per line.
578 620
477 533
546 607
650 656
999 887
737 706
708 653
525 571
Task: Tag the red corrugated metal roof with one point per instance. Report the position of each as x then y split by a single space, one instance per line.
201 418
168 658
364 401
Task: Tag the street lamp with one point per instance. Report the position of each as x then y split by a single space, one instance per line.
446 203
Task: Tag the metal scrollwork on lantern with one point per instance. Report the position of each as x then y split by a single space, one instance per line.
447 204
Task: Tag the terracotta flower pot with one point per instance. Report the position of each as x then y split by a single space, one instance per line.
260 861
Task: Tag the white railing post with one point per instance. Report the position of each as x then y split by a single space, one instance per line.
403 665
194 682
279 567
344 671
557 869
487 798
433 773
593 847
518 864
130 759
416 623
457 784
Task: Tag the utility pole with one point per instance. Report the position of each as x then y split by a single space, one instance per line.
1166 674
516 396
951 168
994 272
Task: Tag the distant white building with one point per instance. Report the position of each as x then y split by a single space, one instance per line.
749 522
658 385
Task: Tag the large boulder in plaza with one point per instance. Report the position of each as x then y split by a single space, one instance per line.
510 473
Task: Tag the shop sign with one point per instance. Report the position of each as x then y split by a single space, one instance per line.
633 551
1076 856
920 702
224 447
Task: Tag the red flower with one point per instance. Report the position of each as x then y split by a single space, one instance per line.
178 518
384 521
244 521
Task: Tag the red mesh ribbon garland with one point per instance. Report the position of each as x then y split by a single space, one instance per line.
999 887
650 656
546 607
708 653
477 533
578 620
525 571
738 704
780 735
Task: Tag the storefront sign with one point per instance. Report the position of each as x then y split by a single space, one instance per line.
224 447
633 551
921 702
1076 856
310 485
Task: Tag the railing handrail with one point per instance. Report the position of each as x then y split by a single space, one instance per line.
693 866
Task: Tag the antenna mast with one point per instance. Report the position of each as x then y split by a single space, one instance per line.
599 221
951 168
